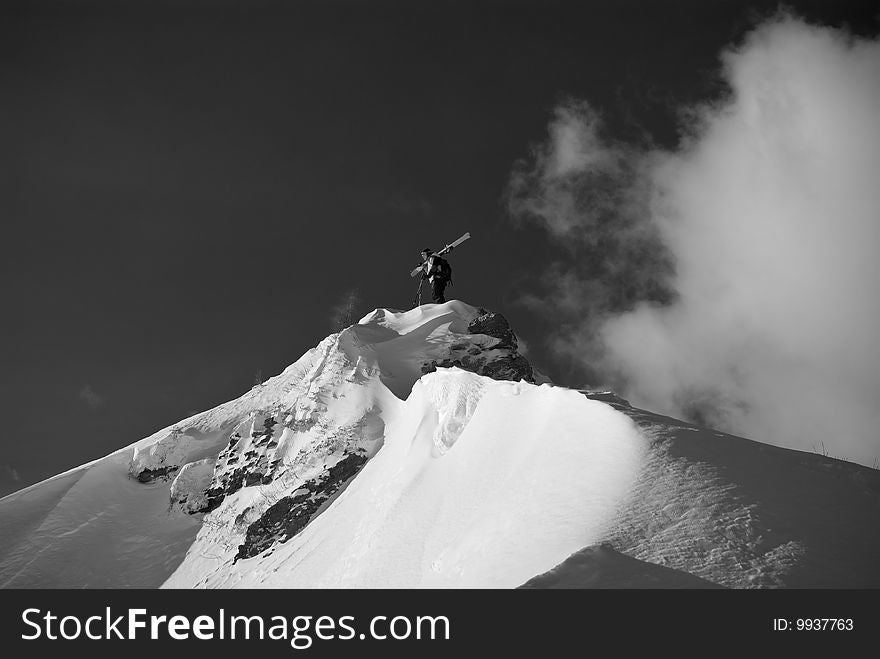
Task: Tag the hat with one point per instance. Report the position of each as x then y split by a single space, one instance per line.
428 250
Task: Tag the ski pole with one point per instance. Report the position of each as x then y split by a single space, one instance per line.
417 301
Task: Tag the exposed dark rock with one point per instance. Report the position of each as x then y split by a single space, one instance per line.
149 475
268 426
266 431
252 470
515 367
213 498
232 483
495 325
500 361
236 480
253 478
290 515
302 425
510 367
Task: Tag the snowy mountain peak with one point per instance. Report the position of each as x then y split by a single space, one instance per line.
273 458
420 448
325 405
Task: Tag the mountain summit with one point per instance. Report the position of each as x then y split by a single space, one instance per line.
421 449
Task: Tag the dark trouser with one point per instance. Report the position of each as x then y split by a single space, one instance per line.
437 288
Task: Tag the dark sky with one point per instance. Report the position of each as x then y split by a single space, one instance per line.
188 188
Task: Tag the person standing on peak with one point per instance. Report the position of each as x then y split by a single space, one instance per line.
436 270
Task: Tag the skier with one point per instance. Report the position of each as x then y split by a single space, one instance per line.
437 271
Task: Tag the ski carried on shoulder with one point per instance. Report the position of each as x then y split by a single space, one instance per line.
443 251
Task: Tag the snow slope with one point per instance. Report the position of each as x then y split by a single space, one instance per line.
480 483
414 449
744 514
126 520
94 528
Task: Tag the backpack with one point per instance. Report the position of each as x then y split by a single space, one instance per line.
443 268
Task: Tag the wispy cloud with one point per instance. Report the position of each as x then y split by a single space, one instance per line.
91 397
734 279
592 195
11 472
345 312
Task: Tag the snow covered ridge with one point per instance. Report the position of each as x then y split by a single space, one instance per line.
479 483
292 438
304 452
315 430
414 449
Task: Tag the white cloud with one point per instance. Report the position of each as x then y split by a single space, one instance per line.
770 209
575 159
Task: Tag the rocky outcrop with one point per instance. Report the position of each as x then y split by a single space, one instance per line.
161 458
188 491
150 475
247 460
494 325
291 514
497 359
